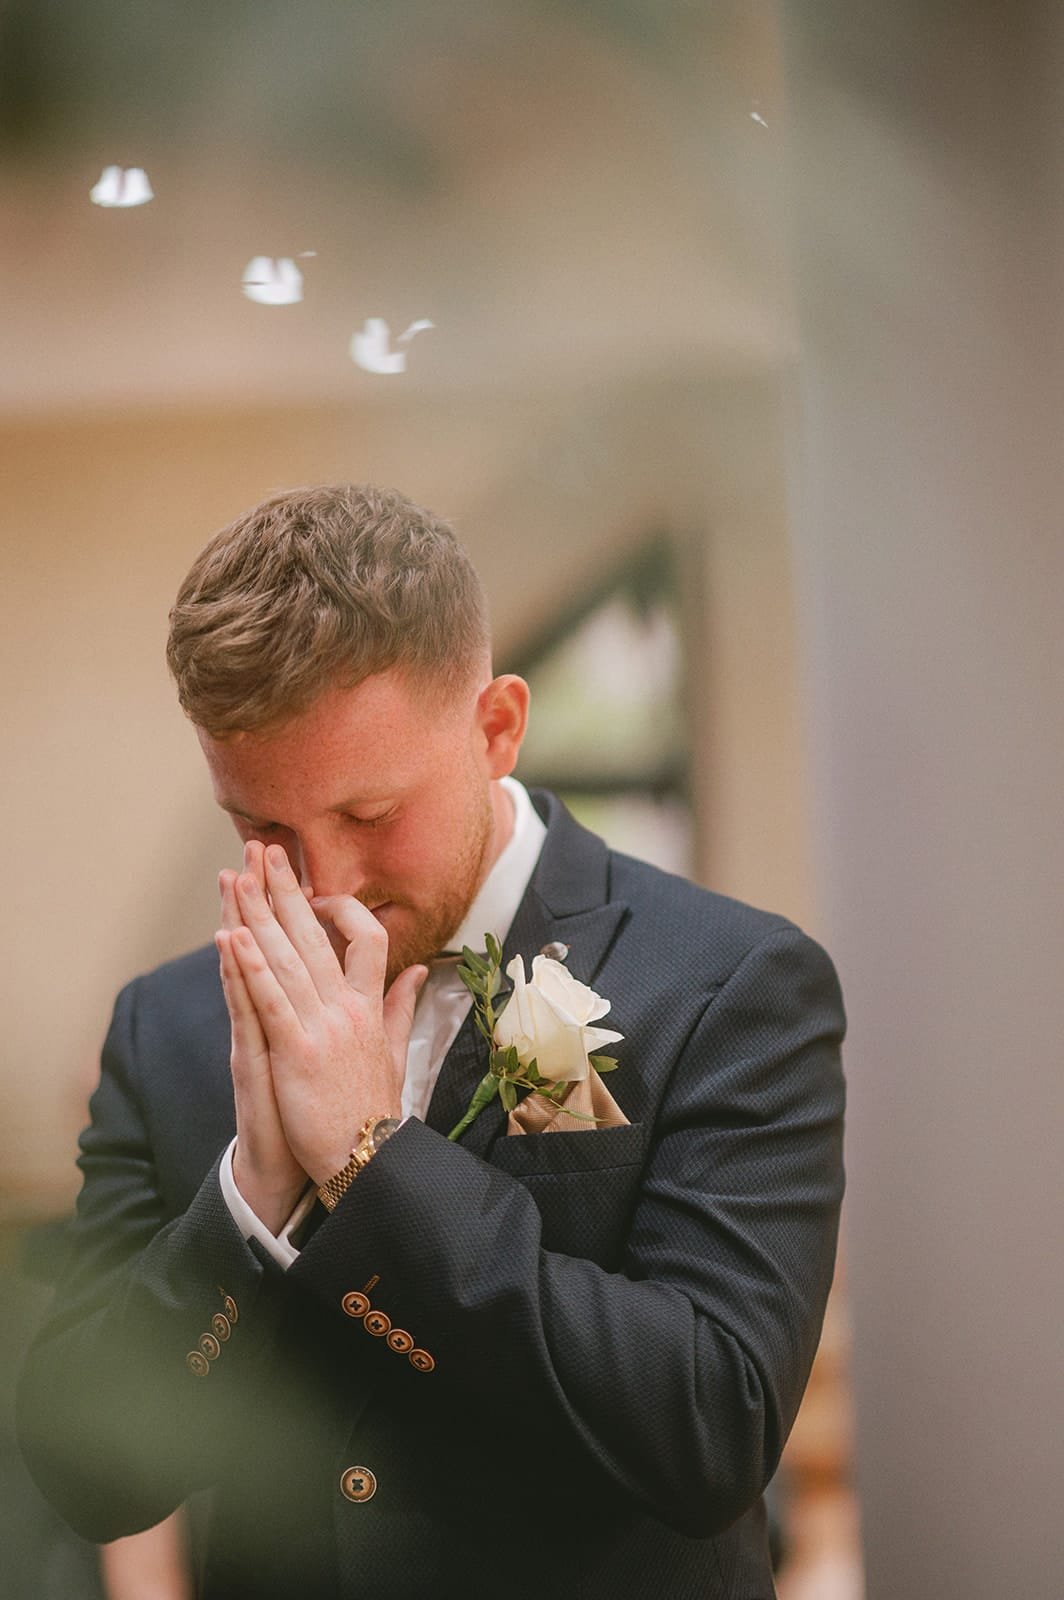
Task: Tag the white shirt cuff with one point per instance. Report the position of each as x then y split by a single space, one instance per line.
279 1245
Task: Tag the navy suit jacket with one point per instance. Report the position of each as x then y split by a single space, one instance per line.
503 1366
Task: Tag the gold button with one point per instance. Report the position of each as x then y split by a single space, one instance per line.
422 1360
355 1304
377 1323
221 1326
210 1346
400 1341
358 1484
229 1307
197 1364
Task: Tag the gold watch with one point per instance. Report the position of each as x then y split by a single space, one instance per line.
371 1136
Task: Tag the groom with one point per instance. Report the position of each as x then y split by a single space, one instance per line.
401 1364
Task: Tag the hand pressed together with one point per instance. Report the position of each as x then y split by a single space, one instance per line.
316 1047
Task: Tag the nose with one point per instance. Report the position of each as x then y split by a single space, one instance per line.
330 863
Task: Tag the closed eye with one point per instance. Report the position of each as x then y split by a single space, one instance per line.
373 822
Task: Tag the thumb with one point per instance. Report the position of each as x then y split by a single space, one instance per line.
398 1012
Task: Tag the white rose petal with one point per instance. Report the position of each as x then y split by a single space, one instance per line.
582 1003
371 347
420 326
273 282
118 187
546 1020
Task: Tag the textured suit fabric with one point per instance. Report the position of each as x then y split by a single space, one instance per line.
622 1322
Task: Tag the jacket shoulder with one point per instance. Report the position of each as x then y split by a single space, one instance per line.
653 892
179 995
695 935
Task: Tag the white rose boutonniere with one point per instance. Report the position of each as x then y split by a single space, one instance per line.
542 1038
547 1020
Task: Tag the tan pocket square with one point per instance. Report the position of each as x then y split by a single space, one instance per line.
589 1097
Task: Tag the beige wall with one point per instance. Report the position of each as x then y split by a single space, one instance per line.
929 470
112 840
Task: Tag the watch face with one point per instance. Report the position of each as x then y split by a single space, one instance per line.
382 1130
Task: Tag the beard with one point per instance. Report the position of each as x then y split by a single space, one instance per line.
417 932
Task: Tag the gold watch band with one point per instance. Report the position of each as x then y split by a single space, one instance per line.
371 1136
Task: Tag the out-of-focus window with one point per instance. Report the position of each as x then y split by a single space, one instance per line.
609 731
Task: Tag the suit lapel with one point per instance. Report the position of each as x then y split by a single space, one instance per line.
566 901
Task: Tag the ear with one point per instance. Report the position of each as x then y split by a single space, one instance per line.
501 719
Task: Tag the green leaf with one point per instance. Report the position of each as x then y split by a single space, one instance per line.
604 1063
507 1094
581 1116
494 983
494 949
475 961
502 1062
473 983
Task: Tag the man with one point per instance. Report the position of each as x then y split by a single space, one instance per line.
403 1364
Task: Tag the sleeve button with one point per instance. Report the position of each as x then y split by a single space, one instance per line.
197 1364
221 1326
377 1323
422 1360
400 1341
358 1484
355 1304
210 1346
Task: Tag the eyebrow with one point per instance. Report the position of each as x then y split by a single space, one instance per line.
235 811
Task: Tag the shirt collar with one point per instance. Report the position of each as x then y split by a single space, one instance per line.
497 899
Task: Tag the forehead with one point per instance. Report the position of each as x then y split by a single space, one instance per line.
365 743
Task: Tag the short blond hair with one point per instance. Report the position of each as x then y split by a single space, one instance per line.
320 587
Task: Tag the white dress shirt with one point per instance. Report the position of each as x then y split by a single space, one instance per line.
441 1007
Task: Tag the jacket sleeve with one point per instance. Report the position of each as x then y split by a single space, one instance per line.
131 1395
671 1383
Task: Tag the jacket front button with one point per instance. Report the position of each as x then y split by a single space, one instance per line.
358 1484
377 1323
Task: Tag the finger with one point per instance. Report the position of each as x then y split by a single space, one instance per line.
249 1041
284 962
231 917
277 1016
254 851
305 932
366 959
398 1016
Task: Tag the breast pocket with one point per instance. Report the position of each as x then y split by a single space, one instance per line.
584 1184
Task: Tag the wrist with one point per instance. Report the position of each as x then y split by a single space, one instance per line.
375 1131
272 1202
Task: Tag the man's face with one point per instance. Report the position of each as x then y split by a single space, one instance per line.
375 792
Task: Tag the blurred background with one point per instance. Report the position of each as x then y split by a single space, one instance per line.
743 391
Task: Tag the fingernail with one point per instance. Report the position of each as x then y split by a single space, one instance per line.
276 857
247 885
